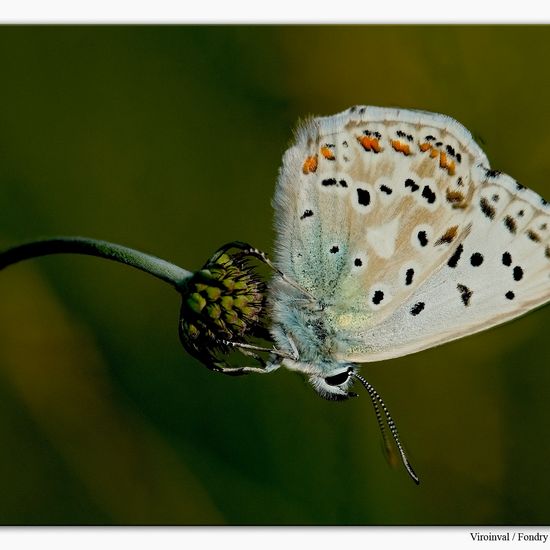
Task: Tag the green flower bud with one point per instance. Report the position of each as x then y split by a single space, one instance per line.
241 301
227 302
229 284
214 311
193 331
213 292
196 302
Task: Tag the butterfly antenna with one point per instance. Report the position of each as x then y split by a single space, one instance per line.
378 403
388 447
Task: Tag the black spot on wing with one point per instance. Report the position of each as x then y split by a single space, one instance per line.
453 260
413 186
378 297
417 308
363 197
465 294
535 237
422 238
476 259
409 276
518 273
510 224
507 259
486 208
428 194
492 173
306 214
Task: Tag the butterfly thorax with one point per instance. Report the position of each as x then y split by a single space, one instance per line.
305 329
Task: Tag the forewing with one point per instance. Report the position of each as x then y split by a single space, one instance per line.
373 207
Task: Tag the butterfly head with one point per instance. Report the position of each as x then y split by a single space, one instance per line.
335 383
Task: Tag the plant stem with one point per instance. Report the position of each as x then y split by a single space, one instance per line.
161 269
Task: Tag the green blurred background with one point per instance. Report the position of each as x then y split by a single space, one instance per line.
168 139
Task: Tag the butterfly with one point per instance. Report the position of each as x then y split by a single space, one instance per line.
393 235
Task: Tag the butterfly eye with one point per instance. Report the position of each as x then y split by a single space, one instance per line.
337 379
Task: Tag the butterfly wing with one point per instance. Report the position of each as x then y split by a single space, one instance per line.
393 220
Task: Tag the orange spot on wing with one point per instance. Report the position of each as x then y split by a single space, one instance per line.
446 164
369 143
448 236
454 196
400 147
327 153
310 164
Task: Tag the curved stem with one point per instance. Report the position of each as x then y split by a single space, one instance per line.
161 269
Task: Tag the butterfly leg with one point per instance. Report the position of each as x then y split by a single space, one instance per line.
246 351
295 353
248 348
237 371
248 250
